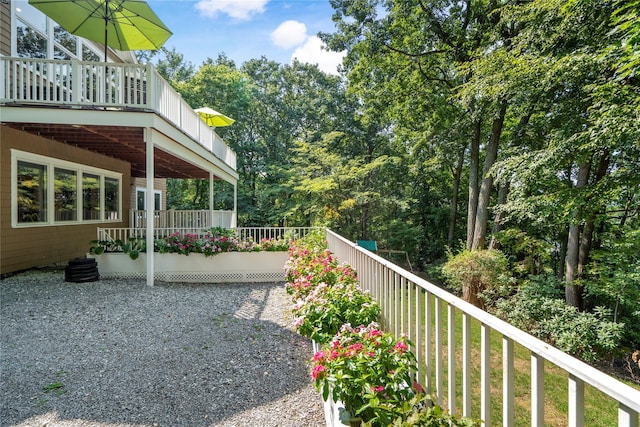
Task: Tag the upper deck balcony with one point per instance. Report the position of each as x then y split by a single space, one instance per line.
81 85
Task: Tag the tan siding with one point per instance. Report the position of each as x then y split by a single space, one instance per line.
5 28
22 248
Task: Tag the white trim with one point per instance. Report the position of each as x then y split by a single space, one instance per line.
51 163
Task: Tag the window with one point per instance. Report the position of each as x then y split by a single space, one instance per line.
77 193
89 55
90 197
31 198
30 43
141 199
112 198
65 194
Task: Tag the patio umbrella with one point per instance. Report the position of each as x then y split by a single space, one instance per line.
120 24
213 118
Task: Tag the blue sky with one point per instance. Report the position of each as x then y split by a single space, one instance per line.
247 29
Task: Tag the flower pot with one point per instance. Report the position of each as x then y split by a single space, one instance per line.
346 418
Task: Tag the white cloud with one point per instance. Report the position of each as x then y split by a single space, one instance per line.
289 34
239 9
313 52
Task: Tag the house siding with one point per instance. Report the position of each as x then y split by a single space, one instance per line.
28 247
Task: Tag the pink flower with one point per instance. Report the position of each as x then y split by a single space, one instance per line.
374 333
319 356
318 371
377 389
354 348
401 347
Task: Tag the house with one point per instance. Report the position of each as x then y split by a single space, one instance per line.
87 143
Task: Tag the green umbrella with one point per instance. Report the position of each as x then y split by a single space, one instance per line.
213 118
120 24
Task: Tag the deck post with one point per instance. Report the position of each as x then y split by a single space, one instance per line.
150 205
234 215
211 200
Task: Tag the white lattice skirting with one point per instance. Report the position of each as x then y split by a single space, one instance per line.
232 267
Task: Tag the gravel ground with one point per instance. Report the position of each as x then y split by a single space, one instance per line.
118 353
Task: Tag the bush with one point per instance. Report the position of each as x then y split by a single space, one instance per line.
367 369
482 276
321 314
364 368
420 411
212 242
536 310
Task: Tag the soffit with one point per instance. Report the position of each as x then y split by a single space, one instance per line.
120 142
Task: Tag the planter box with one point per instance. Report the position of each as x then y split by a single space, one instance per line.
227 267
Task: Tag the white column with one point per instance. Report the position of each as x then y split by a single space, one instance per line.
234 220
211 200
150 206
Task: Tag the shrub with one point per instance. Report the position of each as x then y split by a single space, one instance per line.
211 242
321 314
480 275
307 267
365 368
536 310
420 411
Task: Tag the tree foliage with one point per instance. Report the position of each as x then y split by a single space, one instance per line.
459 124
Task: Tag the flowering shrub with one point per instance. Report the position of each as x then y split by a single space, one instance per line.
211 242
273 245
321 314
366 369
307 267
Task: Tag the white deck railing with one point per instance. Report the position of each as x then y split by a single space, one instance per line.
110 85
179 219
416 307
244 233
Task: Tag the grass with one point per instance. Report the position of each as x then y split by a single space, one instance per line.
600 410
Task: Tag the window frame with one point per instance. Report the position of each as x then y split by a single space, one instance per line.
50 164
143 190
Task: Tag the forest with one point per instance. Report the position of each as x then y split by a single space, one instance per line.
496 142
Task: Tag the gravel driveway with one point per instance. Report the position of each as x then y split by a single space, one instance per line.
119 353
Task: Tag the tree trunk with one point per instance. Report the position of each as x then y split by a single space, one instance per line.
474 164
572 292
503 192
454 199
562 254
482 212
587 233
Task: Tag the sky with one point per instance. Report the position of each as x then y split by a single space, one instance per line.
280 30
